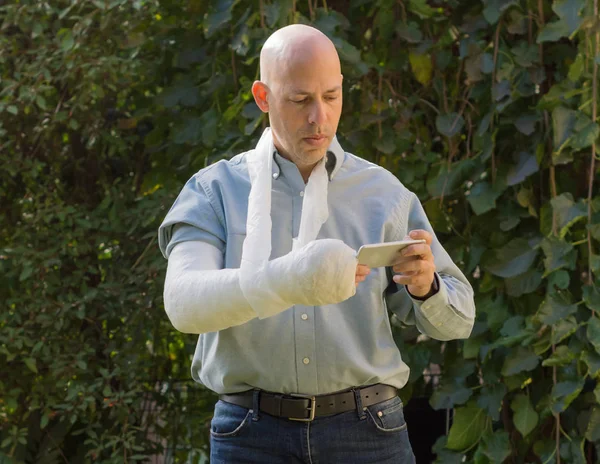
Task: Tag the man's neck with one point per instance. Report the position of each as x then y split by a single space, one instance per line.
305 170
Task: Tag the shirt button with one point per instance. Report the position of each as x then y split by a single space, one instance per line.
306 360
304 317
302 193
275 175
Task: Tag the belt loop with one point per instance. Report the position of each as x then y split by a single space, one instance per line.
255 404
359 407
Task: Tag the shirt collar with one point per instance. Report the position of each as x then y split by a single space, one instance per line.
333 162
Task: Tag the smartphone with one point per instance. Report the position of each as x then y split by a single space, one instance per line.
383 254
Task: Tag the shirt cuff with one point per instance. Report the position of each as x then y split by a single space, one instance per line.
435 288
434 307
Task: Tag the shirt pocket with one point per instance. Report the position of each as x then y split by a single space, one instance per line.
388 416
233 250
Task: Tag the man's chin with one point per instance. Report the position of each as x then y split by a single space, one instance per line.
310 157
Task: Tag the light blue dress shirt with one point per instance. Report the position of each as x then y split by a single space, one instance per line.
316 349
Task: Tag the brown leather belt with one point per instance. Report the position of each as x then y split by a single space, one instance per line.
306 407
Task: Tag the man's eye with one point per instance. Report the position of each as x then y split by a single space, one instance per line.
300 101
331 98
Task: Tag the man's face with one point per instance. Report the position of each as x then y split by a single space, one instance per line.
305 104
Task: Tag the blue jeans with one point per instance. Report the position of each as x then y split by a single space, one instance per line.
377 434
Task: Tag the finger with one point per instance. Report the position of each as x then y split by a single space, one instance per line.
414 265
419 280
420 249
358 280
420 234
363 270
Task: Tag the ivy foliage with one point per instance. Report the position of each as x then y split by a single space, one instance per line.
485 109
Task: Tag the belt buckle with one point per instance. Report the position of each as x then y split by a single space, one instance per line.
312 407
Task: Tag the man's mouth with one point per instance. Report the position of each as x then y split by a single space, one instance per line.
315 140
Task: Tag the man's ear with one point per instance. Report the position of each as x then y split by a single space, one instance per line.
259 91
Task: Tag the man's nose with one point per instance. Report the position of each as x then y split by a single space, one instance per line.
317 113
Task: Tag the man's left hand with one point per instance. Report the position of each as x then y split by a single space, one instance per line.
415 265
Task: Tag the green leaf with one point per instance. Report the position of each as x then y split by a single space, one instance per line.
494 8
592 432
563 356
563 123
594 230
444 455
495 310
554 308
593 332
483 197
385 145
421 66
445 181
591 297
490 399
449 124
182 92
567 212
44 420
558 280
467 427
558 254
526 123
524 283
421 8
350 54
66 39
512 259
516 22
409 32
31 364
25 273
586 132
496 446
219 17
12 109
592 361
570 20
577 68
564 329
519 360
525 55
501 90
526 165
563 394
595 264
471 347
447 395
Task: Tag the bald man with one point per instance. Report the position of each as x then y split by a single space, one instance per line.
294 335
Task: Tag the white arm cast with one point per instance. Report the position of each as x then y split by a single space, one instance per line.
200 296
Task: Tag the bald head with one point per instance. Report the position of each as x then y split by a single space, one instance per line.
292 45
300 87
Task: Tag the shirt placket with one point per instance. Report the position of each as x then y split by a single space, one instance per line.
304 316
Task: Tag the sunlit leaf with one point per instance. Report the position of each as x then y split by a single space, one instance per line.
563 394
421 67
568 212
467 427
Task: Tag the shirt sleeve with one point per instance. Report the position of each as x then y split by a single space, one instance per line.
193 216
450 312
